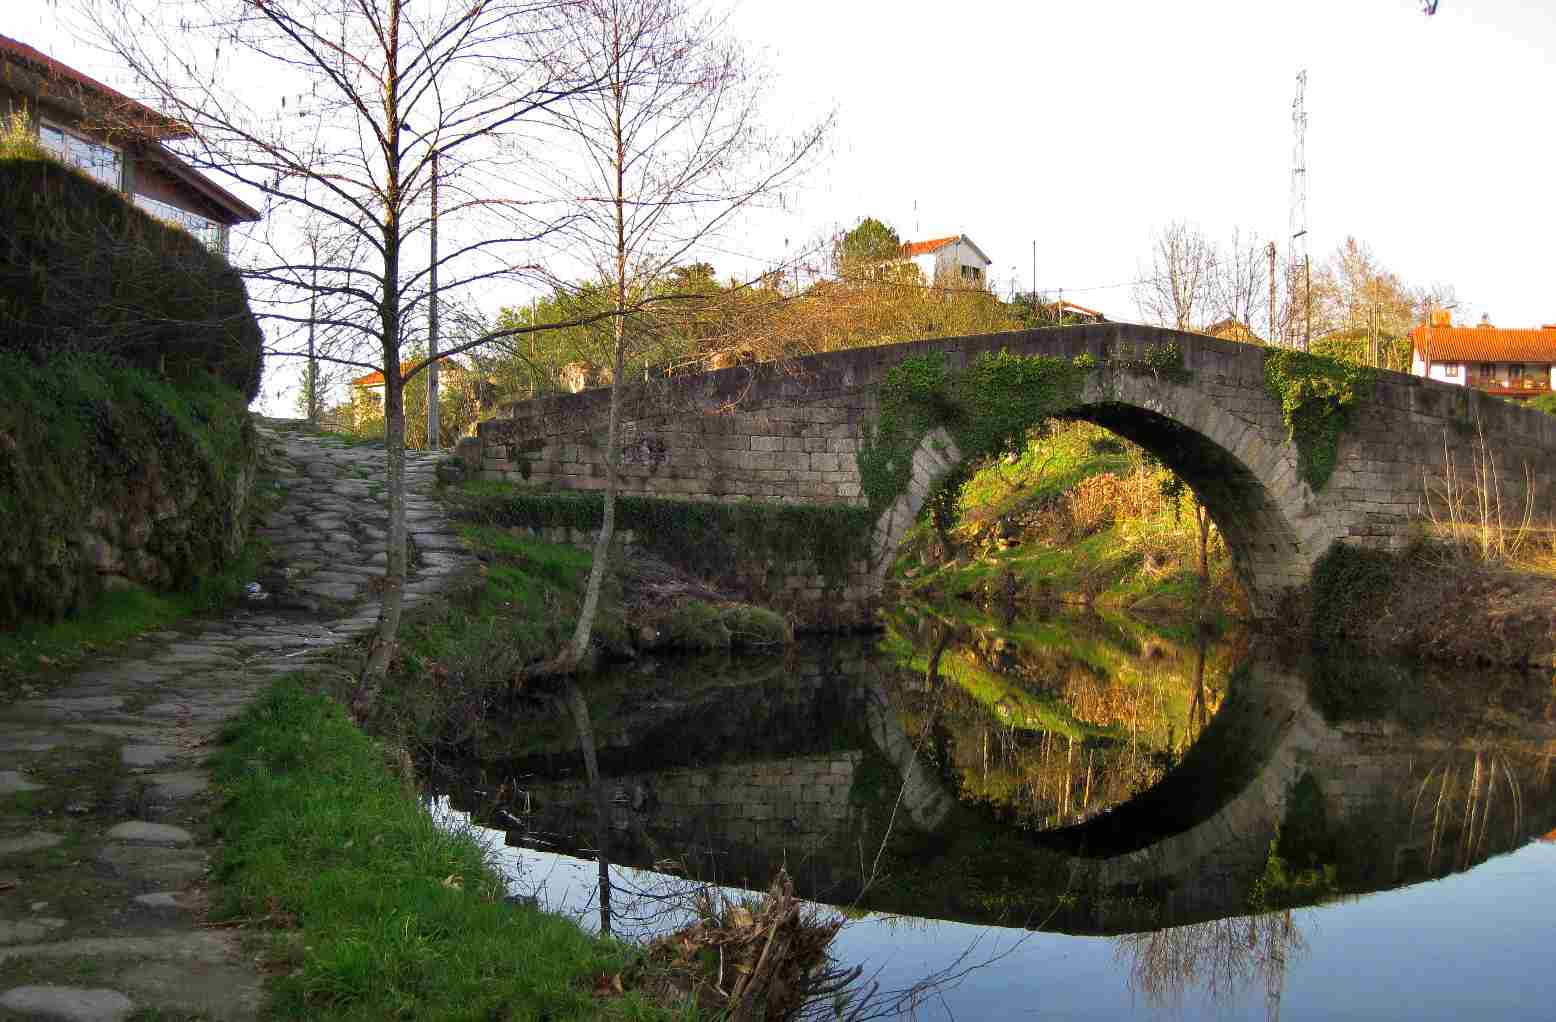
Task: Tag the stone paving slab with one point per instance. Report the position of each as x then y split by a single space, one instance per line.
114 756
70 1004
33 842
12 782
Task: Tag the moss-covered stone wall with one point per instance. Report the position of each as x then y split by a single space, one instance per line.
111 476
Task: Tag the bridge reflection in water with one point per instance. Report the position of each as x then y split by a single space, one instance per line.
1075 775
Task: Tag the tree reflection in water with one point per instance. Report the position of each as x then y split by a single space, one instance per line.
1222 958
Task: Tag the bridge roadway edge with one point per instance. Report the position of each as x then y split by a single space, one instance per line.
789 432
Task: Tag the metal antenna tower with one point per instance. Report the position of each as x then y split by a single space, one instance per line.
1299 269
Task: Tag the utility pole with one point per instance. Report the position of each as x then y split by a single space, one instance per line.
433 434
1034 274
1270 251
313 361
1298 218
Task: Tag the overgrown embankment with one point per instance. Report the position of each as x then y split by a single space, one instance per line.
806 561
461 662
129 354
1078 516
1447 601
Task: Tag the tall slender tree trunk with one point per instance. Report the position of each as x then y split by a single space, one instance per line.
602 543
382 650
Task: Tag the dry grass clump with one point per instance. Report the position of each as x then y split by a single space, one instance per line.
749 961
1476 514
1098 501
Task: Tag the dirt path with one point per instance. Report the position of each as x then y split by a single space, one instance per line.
105 805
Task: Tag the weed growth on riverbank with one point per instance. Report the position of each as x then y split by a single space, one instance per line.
371 910
1078 516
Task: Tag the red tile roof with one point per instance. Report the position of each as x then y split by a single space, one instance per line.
152 122
376 378
1484 344
916 248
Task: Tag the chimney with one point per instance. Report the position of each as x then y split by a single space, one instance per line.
1440 317
1485 322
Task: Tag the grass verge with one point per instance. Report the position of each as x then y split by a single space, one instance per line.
370 910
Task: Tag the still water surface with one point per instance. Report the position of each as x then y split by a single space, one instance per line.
1071 817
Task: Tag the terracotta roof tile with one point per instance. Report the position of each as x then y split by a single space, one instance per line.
917 248
376 378
1484 344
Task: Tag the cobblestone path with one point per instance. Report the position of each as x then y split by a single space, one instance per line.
104 800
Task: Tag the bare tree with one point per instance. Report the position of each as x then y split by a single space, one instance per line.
1177 289
358 96
668 150
1239 281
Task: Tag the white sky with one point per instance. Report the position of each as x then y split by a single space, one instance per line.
1087 124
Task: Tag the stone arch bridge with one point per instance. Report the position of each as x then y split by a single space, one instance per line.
790 432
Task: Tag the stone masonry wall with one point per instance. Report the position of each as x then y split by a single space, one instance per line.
791 432
752 816
796 589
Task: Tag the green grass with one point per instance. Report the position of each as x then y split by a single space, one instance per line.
373 911
1045 468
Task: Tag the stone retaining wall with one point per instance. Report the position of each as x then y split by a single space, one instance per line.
797 589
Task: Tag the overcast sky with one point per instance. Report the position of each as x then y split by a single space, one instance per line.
1086 125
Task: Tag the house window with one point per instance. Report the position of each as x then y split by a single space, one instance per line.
1451 371
972 275
210 232
100 161
1515 372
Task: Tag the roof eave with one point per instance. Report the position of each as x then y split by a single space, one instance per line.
241 212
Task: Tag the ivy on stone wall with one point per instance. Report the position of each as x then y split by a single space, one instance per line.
988 408
706 538
1317 396
1161 360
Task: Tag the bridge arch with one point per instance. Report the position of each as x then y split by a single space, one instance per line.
1250 486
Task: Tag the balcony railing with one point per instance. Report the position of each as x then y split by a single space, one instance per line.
1511 386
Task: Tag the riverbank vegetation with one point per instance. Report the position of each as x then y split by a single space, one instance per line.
369 908
1477 586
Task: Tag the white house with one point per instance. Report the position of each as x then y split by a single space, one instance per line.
1516 363
954 260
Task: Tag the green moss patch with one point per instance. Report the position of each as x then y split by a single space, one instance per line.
988 408
1349 585
82 269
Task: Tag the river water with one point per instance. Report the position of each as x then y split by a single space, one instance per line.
1067 816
